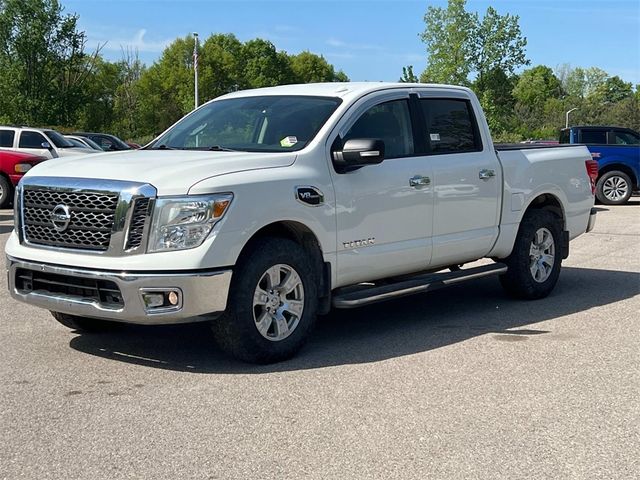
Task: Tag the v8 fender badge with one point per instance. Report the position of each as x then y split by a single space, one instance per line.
309 195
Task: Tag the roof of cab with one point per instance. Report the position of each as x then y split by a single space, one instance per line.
335 89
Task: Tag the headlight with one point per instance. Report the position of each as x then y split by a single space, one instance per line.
22 167
180 223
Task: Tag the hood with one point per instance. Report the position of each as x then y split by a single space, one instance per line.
172 172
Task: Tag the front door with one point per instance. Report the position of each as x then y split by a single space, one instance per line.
384 211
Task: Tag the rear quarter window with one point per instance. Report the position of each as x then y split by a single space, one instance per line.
451 126
598 137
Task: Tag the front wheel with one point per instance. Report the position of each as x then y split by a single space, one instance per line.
5 192
272 303
613 188
534 264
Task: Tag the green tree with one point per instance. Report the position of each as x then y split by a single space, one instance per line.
497 44
612 90
43 67
308 67
536 85
447 36
408 76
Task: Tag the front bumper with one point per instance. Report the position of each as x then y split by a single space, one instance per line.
592 219
203 294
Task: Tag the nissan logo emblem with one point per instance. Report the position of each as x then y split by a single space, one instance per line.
61 217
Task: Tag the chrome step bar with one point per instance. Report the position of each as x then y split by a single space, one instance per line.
351 297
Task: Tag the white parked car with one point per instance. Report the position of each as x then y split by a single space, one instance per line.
83 142
263 208
39 141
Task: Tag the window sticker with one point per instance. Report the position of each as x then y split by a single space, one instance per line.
289 141
435 137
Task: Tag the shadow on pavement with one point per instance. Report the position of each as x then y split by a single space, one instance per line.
6 229
379 332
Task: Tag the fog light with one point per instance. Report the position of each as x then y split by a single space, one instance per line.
160 299
153 300
173 298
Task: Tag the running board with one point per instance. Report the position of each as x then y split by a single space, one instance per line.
347 297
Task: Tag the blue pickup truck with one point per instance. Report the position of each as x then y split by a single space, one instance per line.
617 151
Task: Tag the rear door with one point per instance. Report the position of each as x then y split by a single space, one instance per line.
467 179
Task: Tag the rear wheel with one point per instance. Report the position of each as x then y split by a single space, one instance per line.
534 265
613 188
83 324
5 192
272 303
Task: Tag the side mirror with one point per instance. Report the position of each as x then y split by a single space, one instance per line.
46 145
359 152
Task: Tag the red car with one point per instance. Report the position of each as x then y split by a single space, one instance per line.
13 165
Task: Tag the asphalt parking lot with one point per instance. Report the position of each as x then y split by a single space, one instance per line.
460 383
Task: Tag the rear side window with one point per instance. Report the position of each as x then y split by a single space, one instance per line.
594 136
31 140
451 126
6 138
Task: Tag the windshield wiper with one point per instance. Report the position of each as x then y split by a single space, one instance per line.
163 147
213 148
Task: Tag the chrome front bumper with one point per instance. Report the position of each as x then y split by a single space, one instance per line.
592 219
203 293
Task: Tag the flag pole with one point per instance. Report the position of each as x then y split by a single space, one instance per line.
195 67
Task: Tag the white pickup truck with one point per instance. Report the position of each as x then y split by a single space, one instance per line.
264 208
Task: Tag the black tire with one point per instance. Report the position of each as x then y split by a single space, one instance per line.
236 331
83 324
519 281
5 192
614 188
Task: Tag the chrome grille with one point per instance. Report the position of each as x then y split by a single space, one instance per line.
92 218
138 221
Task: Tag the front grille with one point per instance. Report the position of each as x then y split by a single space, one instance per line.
138 220
104 292
92 218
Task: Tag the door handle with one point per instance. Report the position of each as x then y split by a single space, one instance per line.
486 174
418 181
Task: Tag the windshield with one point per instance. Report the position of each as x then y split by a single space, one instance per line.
251 124
91 143
58 140
76 143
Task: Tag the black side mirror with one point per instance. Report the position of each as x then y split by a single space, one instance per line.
359 152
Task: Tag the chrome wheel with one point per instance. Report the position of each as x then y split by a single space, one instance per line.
278 302
615 188
542 255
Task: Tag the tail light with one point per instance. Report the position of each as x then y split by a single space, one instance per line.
592 171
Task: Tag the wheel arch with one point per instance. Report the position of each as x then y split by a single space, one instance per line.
308 240
550 203
611 167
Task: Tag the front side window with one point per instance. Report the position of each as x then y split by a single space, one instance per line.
275 123
31 140
450 126
6 138
58 140
594 136
389 122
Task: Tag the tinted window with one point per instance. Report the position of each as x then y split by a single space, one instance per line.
271 123
31 140
6 138
594 136
103 142
58 140
450 126
389 122
564 136
626 138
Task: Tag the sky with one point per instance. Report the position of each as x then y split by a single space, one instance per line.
368 39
